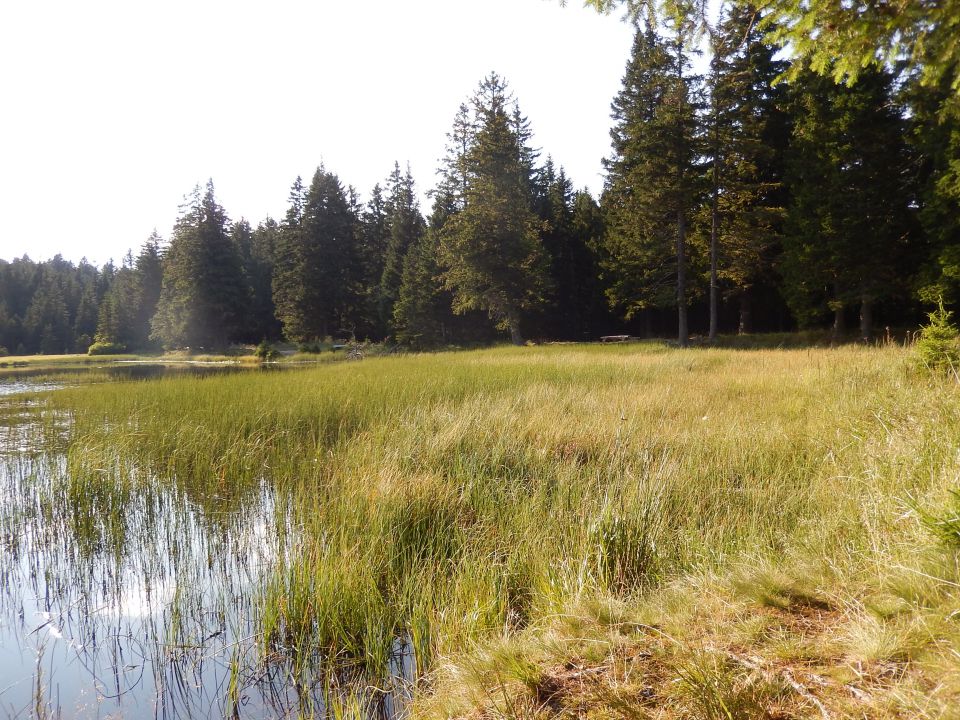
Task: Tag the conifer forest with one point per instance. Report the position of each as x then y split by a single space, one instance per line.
758 194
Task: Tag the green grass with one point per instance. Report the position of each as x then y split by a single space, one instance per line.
706 529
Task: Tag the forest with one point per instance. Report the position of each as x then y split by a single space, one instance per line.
753 196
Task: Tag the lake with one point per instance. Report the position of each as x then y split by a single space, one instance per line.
128 596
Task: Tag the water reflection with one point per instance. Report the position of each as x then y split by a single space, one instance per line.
29 379
121 595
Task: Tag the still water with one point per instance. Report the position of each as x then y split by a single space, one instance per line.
130 597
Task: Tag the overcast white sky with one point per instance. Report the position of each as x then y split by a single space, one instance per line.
110 111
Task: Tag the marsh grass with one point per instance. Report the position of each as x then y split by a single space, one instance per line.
461 500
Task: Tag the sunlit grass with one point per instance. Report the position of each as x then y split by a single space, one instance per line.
571 503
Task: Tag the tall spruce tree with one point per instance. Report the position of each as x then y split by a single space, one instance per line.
934 152
148 271
423 315
569 230
317 276
117 319
405 226
747 133
262 316
490 249
373 238
846 219
204 295
650 189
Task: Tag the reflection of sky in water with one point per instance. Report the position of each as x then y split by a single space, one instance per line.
150 631
137 613
17 387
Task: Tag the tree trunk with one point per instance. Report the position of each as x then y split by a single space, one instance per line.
683 334
714 229
866 317
746 314
839 326
513 322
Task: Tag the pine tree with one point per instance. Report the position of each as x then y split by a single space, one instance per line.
148 272
405 227
934 151
262 317
317 276
846 220
46 323
453 170
117 319
746 139
374 236
290 270
569 231
422 315
204 295
490 249
85 322
650 189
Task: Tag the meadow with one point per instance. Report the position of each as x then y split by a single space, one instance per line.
559 531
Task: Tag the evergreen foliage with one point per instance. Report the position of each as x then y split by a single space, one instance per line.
846 218
650 190
204 295
571 230
405 226
938 347
491 251
842 39
805 199
374 236
317 283
746 132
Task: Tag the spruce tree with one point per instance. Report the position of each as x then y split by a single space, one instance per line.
650 189
490 249
290 270
405 227
204 295
46 324
262 317
934 150
148 271
422 312
746 138
846 219
569 232
317 276
374 236
117 319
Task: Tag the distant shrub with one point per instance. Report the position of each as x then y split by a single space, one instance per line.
938 346
106 348
3 351
314 346
266 351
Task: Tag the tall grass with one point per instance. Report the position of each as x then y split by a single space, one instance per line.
446 500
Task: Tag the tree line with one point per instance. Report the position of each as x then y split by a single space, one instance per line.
754 196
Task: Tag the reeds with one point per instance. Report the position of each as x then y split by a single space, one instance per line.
447 500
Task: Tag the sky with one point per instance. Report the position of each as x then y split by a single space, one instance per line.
111 111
